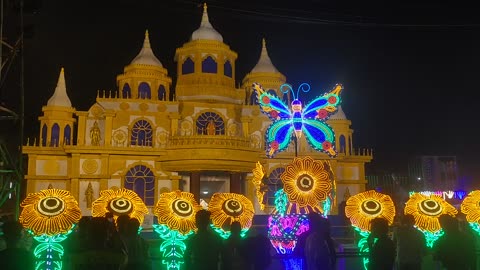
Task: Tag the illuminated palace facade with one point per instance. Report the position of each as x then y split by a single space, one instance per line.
205 139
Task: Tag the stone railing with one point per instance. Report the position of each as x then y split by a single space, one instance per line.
213 141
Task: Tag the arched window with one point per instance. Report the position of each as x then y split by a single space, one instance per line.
272 92
188 66
162 94
274 183
210 123
44 135
55 135
227 69
126 91
209 65
144 91
253 98
142 133
141 180
343 147
67 131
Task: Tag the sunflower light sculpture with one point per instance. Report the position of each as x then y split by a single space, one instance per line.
227 208
119 202
176 212
50 216
307 187
362 208
471 208
426 210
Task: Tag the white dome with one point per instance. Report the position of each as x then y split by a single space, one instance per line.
146 56
264 63
339 115
206 30
60 97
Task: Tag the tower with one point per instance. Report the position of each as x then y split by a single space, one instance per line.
56 124
206 67
343 132
145 77
267 75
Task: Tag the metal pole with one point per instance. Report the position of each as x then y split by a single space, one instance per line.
22 115
295 142
1 39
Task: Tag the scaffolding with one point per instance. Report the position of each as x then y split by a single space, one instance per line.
11 162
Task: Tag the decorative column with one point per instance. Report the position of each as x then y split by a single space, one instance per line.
108 127
235 183
175 179
173 123
195 185
246 120
82 120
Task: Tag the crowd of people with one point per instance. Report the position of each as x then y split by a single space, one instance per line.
400 248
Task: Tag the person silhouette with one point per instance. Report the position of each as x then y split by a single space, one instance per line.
13 257
410 245
454 249
234 254
203 249
381 247
319 247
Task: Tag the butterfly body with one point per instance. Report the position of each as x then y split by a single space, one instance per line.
298 120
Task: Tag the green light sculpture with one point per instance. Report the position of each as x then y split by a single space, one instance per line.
50 216
176 222
426 209
364 207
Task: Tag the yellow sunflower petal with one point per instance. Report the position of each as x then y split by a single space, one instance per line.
50 211
227 207
307 182
363 207
471 206
427 209
119 202
177 210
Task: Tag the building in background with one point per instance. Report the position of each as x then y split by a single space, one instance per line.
205 138
434 172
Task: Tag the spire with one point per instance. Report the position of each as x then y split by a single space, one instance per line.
264 63
146 56
206 30
339 115
60 97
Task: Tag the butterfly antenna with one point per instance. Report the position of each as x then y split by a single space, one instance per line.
285 88
305 87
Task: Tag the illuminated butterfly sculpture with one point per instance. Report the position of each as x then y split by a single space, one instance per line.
309 120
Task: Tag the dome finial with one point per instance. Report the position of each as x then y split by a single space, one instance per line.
146 56
60 97
205 21
264 63
206 30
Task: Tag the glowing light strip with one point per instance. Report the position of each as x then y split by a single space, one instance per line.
449 194
226 234
173 247
363 244
49 252
431 237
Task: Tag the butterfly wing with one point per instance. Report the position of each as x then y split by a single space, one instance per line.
271 105
324 106
278 136
320 136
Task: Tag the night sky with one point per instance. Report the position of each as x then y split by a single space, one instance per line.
409 70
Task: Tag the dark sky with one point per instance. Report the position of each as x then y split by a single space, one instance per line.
409 70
